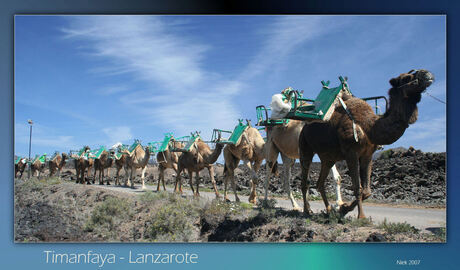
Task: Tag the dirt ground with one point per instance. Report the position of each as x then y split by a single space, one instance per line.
52 210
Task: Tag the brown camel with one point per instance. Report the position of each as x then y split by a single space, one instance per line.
19 167
199 157
168 160
104 161
82 164
120 163
38 165
335 140
250 149
57 163
284 140
138 158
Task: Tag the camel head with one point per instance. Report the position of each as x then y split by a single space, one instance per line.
411 84
406 92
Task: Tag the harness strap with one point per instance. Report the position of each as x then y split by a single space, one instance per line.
355 134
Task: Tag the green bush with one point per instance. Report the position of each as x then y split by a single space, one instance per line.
173 221
108 214
397 227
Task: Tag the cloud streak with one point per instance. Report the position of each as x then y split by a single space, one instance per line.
175 87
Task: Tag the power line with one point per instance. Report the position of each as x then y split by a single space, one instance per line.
435 98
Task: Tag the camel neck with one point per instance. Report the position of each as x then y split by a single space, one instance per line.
388 128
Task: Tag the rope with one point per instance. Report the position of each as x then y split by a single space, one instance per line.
435 98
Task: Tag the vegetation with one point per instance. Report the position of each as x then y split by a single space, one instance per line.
397 227
109 214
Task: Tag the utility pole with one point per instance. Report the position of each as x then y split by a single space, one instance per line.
30 146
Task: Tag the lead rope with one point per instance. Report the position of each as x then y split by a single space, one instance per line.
435 98
355 134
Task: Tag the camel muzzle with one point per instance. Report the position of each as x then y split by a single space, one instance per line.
422 79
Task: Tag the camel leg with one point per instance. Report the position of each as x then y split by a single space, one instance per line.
234 186
94 174
271 156
365 168
116 176
176 186
211 175
287 165
143 176
338 181
160 176
231 163
306 156
127 177
352 163
133 172
254 180
197 176
227 173
190 176
176 169
108 176
101 180
325 168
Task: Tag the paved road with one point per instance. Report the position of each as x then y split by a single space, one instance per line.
421 218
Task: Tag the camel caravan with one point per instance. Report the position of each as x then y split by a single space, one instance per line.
336 126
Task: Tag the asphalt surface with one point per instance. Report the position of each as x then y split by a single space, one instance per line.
425 219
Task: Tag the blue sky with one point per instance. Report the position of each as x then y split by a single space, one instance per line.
98 80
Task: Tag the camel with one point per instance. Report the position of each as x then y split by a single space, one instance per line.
104 161
168 160
335 140
19 167
138 158
38 165
120 163
57 163
199 157
82 163
250 149
284 140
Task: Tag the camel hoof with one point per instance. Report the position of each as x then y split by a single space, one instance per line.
144 188
217 196
237 199
297 209
344 209
226 199
307 211
361 216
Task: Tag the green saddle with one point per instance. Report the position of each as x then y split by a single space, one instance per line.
323 106
191 141
165 143
41 158
96 154
237 133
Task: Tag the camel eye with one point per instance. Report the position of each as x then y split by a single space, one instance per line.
406 79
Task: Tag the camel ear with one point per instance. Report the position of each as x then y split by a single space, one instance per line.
394 82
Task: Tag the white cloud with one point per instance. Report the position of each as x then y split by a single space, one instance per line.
118 134
285 35
175 83
428 134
